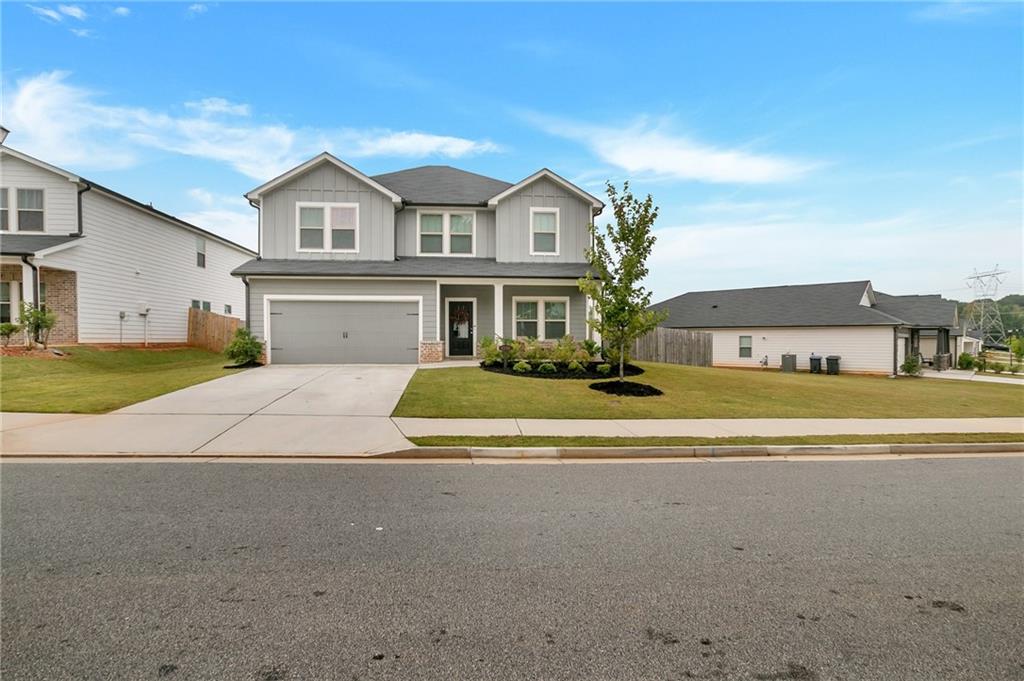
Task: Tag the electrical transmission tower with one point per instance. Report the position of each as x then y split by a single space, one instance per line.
983 311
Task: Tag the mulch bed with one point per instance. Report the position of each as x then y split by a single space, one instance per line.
591 372
35 353
626 389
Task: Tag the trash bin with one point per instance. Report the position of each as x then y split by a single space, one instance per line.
833 364
789 363
815 364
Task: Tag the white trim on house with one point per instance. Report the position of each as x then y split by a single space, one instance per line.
324 157
596 203
448 328
341 298
540 300
325 206
58 248
446 233
511 281
558 229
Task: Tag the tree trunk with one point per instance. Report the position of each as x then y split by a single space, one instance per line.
622 362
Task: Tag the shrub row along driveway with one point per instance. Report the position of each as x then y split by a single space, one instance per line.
274 409
693 392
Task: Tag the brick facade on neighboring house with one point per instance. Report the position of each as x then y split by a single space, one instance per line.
61 297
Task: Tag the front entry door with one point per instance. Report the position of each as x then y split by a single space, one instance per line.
460 328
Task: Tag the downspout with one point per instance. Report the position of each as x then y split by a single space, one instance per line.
895 351
248 310
35 283
80 192
259 245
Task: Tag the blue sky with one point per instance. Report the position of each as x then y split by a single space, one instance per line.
784 143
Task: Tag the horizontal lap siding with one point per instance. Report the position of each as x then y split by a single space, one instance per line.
336 287
406 228
129 258
862 348
328 183
513 223
60 196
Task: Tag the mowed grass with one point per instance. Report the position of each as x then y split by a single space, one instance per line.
695 392
94 380
590 441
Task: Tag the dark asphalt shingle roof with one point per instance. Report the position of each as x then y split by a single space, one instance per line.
30 244
414 267
833 304
442 185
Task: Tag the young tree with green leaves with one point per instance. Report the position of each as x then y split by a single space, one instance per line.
618 265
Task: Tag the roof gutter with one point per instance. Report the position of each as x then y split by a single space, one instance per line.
81 191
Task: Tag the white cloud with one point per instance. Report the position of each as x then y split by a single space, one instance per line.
68 124
229 216
651 149
73 11
46 13
218 105
83 32
196 9
122 11
953 10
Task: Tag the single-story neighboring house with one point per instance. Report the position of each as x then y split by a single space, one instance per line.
113 269
871 331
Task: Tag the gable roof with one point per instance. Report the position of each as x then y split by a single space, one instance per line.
42 164
442 186
317 160
928 310
596 204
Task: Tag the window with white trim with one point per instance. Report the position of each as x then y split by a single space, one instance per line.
446 233
542 318
5 213
327 227
746 346
5 302
200 252
543 231
30 210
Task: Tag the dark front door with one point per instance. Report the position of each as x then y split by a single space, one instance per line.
460 328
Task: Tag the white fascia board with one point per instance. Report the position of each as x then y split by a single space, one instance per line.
58 248
41 164
596 203
324 157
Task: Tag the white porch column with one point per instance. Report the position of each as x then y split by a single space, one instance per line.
499 311
28 289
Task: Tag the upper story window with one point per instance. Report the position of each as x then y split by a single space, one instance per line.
446 233
30 210
327 227
5 219
543 231
200 252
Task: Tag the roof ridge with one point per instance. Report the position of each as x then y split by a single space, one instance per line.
777 286
443 165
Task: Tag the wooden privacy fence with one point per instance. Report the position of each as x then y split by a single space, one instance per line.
674 346
210 330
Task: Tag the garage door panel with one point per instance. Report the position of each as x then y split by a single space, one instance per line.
349 332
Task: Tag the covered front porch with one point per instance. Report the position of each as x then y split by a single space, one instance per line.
53 289
471 310
931 344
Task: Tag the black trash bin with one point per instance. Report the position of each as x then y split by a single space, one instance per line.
815 364
833 364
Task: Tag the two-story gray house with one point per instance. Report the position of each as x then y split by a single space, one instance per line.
415 265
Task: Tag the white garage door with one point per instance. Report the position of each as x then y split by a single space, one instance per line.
333 332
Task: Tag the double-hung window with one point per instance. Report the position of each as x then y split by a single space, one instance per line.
328 227
5 212
200 252
746 346
30 210
446 233
543 231
5 302
543 318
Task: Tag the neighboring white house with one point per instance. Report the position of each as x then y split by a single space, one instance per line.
871 331
113 269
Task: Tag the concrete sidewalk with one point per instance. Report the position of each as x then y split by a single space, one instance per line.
968 375
414 427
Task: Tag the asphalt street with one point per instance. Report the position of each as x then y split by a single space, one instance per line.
768 571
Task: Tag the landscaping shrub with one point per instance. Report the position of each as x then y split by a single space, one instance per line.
911 366
489 351
522 367
8 329
997 367
534 350
965 361
37 322
547 368
576 367
591 347
564 350
1015 368
245 349
604 369
611 355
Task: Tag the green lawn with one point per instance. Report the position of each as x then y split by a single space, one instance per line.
550 441
92 380
693 392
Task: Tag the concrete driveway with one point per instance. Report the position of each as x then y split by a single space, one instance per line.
278 409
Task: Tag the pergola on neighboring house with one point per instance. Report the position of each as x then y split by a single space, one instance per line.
873 332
